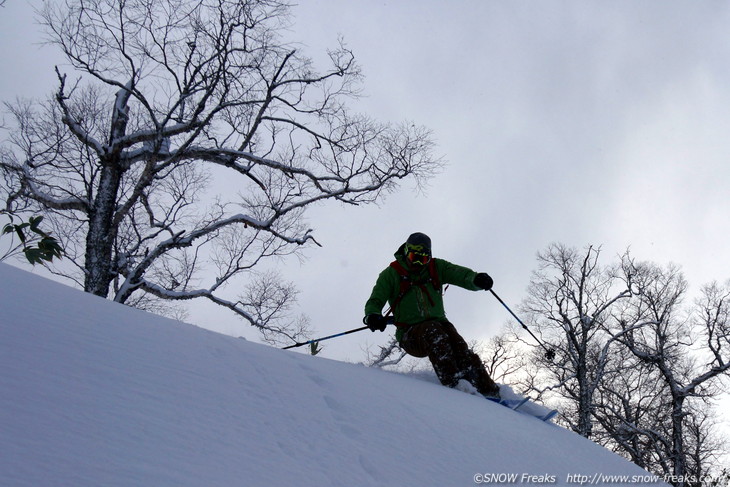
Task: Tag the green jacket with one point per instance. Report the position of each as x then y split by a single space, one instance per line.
416 305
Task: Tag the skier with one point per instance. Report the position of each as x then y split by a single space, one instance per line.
412 286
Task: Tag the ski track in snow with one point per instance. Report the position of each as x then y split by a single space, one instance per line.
94 393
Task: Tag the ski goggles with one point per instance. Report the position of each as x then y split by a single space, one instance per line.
418 258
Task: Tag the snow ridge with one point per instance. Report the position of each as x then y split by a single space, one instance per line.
95 393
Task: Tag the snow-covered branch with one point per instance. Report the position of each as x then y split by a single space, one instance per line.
192 142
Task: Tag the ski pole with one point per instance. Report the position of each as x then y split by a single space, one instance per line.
298 344
549 353
389 321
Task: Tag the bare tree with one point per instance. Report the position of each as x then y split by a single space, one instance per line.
387 355
570 301
173 106
503 355
703 445
635 370
689 356
630 413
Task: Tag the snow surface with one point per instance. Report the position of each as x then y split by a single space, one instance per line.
93 393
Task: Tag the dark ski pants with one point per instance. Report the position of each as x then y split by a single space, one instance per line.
451 357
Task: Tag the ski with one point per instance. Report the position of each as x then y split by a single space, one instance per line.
513 404
550 415
524 405
535 410
547 417
513 401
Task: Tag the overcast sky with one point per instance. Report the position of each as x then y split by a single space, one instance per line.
585 123
600 123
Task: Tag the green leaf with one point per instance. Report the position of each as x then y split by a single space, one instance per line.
19 231
50 248
34 221
33 255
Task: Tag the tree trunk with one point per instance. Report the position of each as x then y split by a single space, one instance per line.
585 421
102 234
678 454
100 268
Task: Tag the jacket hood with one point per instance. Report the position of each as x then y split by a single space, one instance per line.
400 256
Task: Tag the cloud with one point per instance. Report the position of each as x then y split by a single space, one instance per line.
578 122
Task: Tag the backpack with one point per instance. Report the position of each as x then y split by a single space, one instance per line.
406 282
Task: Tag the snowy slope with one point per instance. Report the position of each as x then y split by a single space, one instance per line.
93 393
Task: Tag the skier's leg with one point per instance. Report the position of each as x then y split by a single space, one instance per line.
470 365
431 340
412 342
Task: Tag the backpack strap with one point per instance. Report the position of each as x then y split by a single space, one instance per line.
405 283
434 275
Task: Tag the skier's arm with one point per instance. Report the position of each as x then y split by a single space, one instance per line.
385 289
457 275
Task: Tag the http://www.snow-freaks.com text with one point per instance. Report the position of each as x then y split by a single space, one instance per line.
586 479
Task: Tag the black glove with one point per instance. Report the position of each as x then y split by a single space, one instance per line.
375 322
483 281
